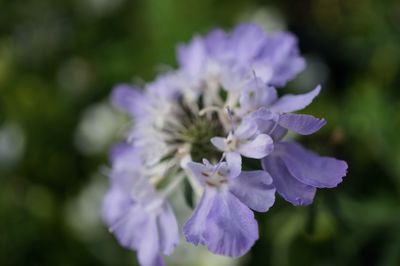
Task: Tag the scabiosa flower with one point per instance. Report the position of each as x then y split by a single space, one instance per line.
220 107
246 140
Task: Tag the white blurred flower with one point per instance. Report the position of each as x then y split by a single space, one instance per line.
12 144
269 18
82 213
98 126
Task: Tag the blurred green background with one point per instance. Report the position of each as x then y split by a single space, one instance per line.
59 60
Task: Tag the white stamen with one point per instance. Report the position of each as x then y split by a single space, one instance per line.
209 109
194 183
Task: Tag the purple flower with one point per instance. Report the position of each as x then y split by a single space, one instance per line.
297 172
246 140
222 96
222 220
140 219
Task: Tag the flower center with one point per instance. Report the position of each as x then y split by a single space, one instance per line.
189 128
199 133
214 179
231 143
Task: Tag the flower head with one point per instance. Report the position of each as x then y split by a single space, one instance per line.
220 107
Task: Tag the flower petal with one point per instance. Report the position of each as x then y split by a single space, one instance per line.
234 161
119 150
222 223
216 43
310 168
287 70
149 245
169 232
290 103
256 94
281 51
278 133
246 130
218 142
286 185
264 119
254 188
115 204
231 229
128 228
265 72
128 99
194 228
199 171
257 148
192 57
248 40
302 124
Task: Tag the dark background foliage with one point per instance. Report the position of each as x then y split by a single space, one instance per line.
59 60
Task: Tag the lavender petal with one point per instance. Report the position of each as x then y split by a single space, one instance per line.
310 168
254 188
